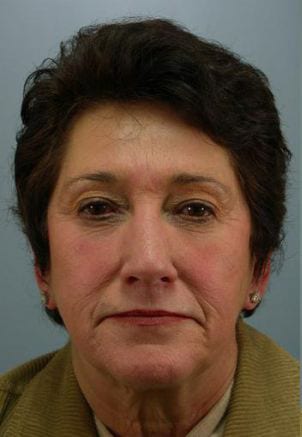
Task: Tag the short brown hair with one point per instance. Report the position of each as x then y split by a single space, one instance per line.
158 61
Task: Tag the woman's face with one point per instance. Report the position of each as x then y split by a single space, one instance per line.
150 247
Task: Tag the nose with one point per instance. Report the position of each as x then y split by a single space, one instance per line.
148 253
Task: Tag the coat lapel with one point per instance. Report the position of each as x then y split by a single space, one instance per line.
55 394
265 397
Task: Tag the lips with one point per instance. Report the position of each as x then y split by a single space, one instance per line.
142 317
149 313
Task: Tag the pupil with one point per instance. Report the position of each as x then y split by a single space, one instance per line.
98 208
196 210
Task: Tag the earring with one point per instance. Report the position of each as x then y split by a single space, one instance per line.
44 299
255 298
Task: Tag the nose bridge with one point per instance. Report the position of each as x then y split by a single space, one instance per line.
147 249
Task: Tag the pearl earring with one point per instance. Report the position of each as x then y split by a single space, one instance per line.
255 298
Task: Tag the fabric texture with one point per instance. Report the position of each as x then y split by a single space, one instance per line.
43 398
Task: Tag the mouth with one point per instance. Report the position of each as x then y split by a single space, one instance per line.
148 317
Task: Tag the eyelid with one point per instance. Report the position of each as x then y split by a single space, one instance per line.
94 197
205 203
90 199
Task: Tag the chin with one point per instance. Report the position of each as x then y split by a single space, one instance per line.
150 368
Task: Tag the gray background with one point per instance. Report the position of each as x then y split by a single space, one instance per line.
265 32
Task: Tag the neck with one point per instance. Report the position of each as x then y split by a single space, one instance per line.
169 411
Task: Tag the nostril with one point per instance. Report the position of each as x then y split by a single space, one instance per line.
132 279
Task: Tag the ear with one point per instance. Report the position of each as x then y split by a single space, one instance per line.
258 285
42 280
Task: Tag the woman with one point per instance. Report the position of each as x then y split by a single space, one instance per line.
150 177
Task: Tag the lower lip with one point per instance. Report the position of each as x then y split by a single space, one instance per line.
149 321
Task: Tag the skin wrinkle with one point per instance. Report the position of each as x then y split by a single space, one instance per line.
177 372
222 208
81 184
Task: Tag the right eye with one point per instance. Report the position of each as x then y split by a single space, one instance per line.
97 209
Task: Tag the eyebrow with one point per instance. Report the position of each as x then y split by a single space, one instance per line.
102 177
184 179
181 179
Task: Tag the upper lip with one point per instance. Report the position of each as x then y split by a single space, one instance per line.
148 313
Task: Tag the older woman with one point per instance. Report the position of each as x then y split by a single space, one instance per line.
150 175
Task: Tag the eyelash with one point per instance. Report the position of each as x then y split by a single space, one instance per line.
90 210
89 207
207 211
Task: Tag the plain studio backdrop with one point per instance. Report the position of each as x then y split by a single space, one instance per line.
264 32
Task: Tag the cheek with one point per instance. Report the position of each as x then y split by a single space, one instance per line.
220 273
80 263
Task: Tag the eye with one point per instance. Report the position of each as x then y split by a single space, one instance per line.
196 210
97 208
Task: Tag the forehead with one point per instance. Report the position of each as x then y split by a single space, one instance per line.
142 140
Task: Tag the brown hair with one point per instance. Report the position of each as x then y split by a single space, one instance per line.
153 60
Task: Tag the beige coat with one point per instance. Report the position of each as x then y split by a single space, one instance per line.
42 397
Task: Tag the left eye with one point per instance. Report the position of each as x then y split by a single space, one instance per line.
196 210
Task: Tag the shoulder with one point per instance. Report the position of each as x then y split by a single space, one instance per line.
15 380
262 350
264 364
40 398
266 388
15 383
